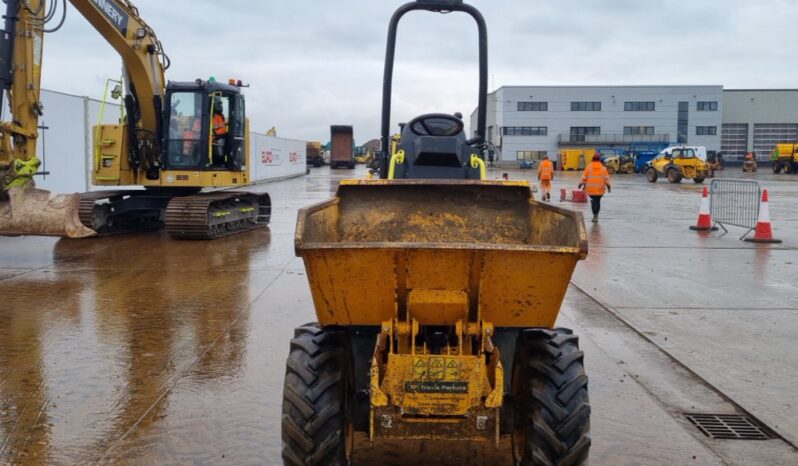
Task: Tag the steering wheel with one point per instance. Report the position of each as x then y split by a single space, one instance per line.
436 124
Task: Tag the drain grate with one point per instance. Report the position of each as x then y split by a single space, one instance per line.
728 426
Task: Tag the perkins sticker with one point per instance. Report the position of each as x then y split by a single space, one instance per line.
457 388
114 13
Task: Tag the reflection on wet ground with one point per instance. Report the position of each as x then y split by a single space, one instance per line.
139 349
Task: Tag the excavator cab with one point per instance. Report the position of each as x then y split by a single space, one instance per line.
206 127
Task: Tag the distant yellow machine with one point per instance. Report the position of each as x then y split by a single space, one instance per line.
678 164
785 158
620 164
576 159
749 163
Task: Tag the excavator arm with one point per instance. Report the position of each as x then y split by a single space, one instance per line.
24 210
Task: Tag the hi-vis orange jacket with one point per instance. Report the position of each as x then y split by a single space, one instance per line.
596 179
546 171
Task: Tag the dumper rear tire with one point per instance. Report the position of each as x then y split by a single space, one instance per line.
552 418
316 398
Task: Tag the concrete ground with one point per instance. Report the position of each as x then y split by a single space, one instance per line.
138 349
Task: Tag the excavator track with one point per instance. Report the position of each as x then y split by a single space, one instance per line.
118 212
218 214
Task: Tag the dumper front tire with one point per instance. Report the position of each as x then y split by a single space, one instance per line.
552 417
316 398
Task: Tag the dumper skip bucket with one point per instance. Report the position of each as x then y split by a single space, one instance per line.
369 247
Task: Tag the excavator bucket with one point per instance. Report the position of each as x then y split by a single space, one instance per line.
31 211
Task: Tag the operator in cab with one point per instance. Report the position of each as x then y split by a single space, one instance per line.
219 132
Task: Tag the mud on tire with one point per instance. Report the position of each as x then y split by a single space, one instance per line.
652 175
674 176
316 401
552 418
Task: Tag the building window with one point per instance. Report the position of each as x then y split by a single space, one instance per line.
707 106
683 119
525 131
585 106
639 106
530 154
578 133
533 106
706 130
638 130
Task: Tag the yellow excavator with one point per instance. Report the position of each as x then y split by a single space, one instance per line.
176 139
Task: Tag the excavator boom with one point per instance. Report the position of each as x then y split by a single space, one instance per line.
25 210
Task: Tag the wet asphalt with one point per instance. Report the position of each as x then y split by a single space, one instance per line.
139 349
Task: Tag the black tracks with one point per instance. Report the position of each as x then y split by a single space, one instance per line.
193 216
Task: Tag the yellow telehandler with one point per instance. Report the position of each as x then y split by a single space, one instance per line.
678 164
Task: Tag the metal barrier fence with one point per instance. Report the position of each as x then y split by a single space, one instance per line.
735 203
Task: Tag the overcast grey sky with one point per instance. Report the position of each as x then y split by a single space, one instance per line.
316 63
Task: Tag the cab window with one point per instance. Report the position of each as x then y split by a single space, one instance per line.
185 129
220 129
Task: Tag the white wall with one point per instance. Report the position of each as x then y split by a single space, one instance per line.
65 147
275 157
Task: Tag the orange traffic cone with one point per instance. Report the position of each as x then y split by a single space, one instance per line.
704 222
764 231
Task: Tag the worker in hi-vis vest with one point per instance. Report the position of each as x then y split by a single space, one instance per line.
545 175
595 181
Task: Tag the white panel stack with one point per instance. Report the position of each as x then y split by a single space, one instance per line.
65 146
275 158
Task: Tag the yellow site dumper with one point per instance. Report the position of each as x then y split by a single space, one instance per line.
436 293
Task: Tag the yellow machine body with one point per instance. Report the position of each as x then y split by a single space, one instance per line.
615 164
469 256
576 159
785 158
678 167
111 166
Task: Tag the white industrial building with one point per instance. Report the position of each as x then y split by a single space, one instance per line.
528 122
65 145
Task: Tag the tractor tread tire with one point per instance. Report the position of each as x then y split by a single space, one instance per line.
554 407
314 408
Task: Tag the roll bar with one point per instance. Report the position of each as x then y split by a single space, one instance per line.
436 6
